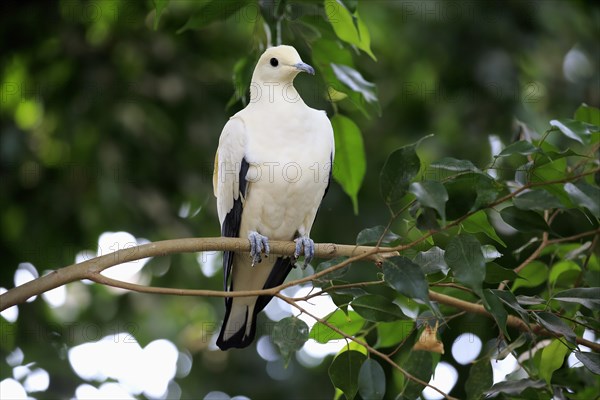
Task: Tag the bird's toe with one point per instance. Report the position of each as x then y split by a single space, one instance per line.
309 251
258 244
304 246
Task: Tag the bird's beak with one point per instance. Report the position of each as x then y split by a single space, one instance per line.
305 67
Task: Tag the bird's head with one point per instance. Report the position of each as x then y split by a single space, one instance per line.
280 64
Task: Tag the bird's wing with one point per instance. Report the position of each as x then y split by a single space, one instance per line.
331 158
229 184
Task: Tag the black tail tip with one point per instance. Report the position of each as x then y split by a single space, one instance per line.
239 339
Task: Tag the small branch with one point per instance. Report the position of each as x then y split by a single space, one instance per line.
545 243
529 259
104 280
574 237
336 287
512 321
453 285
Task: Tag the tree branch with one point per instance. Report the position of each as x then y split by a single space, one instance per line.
91 269
512 321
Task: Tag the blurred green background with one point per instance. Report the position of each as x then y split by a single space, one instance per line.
108 125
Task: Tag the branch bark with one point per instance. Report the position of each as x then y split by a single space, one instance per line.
91 269
512 321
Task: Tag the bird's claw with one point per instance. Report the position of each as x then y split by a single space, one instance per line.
258 244
304 243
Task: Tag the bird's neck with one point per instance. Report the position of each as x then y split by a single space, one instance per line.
262 92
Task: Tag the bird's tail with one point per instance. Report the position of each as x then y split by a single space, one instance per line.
239 324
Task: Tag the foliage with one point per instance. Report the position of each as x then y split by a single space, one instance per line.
561 306
106 115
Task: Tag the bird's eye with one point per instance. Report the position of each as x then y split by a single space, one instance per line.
274 62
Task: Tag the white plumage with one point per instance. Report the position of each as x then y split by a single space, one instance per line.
272 170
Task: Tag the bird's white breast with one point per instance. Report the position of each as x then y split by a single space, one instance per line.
290 158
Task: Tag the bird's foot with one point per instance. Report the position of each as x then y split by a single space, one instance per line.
304 243
258 244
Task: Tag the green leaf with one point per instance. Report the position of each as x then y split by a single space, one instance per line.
431 194
327 53
242 75
494 273
371 380
343 23
553 357
350 162
515 387
594 323
574 129
588 114
479 223
537 200
501 352
341 300
377 308
391 333
342 296
372 236
420 365
355 81
349 324
212 11
588 297
558 271
407 278
552 155
480 379
530 300
344 371
495 307
556 325
330 263
452 164
554 170
521 147
432 261
487 190
524 221
159 7
508 298
399 170
350 5
590 360
584 195
464 256
289 335
427 220
533 274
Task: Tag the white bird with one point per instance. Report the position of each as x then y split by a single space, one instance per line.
272 169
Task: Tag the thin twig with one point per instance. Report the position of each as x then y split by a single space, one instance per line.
512 321
337 287
453 285
529 259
